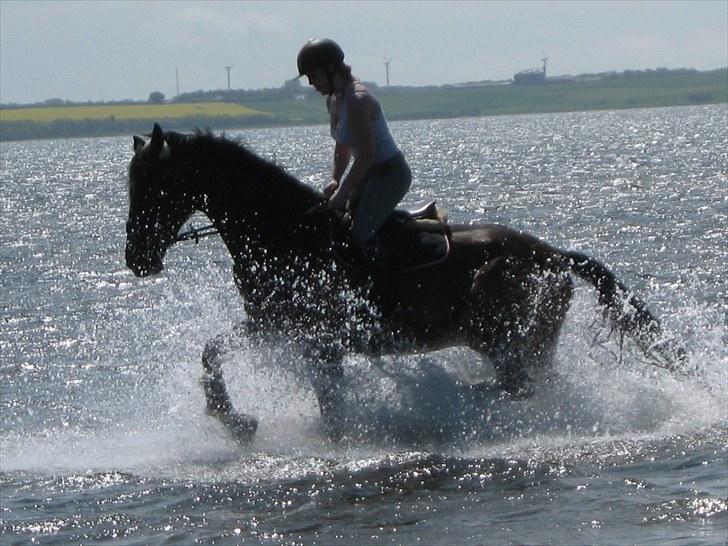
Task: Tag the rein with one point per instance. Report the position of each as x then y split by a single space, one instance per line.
195 234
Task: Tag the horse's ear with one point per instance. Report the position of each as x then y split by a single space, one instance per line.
138 144
157 144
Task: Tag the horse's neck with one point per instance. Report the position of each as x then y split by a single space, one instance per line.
281 254
260 215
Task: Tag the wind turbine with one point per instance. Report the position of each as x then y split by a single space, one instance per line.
228 75
387 61
544 60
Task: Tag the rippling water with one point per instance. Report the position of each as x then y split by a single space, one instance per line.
103 433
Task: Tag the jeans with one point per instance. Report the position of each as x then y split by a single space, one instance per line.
376 196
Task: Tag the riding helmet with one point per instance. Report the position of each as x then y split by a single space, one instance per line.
319 53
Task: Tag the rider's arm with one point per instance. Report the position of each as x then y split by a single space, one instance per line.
342 156
362 142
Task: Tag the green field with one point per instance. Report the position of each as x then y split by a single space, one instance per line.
244 109
640 91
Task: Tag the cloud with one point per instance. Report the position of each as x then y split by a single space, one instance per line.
107 50
215 19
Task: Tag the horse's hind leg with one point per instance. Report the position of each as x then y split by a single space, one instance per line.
516 317
217 399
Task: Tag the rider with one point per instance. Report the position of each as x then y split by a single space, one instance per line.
379 176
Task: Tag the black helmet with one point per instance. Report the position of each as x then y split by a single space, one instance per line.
319 53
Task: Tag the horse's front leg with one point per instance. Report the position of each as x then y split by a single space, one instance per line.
241 425
325 357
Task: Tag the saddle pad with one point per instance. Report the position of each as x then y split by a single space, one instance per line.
415 245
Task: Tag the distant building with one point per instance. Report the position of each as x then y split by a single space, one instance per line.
534 76
293 84
529 77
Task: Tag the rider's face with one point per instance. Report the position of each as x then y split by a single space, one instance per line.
319 80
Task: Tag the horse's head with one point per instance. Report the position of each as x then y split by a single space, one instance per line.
158 204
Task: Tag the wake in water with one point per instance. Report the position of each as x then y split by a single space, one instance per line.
445 402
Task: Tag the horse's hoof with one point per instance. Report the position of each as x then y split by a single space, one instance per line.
520 392
335 428
240 425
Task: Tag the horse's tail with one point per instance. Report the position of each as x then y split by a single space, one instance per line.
627 311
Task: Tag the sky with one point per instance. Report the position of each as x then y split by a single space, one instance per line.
124 49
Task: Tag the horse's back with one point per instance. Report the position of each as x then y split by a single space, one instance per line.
490 234
497 240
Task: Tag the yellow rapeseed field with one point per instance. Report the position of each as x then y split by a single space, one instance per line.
47 114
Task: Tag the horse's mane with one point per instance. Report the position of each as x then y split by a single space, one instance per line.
226 150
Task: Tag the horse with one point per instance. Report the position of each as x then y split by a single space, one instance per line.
501 292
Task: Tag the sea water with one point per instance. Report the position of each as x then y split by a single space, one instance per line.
103 433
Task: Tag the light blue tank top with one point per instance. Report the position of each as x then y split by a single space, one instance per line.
384 145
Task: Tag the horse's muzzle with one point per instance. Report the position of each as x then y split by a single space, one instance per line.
146 271
143 263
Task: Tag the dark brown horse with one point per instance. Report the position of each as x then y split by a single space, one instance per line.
501 292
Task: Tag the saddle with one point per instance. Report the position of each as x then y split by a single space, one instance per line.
407 241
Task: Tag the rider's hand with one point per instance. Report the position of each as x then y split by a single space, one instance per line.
330 188
338 201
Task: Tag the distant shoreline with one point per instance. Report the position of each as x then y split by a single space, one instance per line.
291 107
